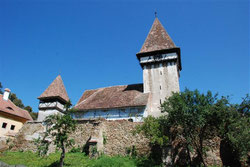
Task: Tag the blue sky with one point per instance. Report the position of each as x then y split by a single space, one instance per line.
92 44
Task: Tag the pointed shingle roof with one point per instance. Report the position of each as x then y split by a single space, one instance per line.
157 39
55 89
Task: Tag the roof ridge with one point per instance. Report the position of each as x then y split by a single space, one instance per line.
98 90
113 86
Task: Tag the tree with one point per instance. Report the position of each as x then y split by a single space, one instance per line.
191 117
195 114
18 102
34 115
59 127
234 132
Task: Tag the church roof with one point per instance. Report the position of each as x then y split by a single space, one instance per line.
56 89
157 39
8 107
113 97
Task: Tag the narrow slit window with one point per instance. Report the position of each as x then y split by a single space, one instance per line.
160 87
160 101
160 72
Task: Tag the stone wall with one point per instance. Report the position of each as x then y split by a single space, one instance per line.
110 137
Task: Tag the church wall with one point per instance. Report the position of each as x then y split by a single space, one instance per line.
113 138
135 113
117 134
160 80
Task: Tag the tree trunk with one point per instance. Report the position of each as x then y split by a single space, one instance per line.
200 150
62 157
189 156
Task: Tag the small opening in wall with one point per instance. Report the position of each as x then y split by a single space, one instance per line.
4 125
12 127
160 101
160 72
130 120
160 87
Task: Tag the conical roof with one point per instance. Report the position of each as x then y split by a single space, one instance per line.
55 89
157 39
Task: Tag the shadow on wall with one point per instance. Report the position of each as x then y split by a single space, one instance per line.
228 156
137 87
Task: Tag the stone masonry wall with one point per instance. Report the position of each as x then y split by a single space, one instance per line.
112 137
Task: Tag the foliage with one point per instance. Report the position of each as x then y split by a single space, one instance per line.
116 161
75 149
154 129
30 159
72 159
93 151
42 146
193 117
59 127
131 151
234 129
104 139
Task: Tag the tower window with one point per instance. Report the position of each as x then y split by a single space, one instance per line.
160 101
4 125
160 72
160 87
12 127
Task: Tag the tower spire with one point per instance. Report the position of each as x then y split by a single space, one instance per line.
157 39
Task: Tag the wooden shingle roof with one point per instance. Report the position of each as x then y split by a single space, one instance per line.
113 97
55 90
157 39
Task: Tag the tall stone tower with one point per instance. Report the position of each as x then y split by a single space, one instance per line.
53 99
161 64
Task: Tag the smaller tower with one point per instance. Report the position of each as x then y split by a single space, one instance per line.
161 64
53 99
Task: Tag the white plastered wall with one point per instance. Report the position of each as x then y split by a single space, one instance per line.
160 80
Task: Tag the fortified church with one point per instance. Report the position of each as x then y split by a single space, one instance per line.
160 61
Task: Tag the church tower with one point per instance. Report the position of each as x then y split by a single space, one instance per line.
53 99
161 64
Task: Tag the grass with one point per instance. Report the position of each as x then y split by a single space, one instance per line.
30 159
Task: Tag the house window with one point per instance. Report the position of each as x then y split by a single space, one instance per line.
4 125
12 127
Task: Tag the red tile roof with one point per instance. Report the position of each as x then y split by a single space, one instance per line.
55 89
113 97
10 108
157 39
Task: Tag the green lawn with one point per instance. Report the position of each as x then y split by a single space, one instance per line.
72 159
